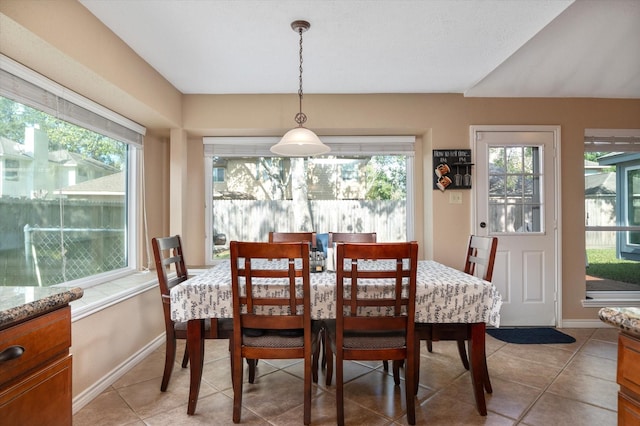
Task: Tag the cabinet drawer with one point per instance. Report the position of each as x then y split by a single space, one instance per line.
628 411
43 339
43 398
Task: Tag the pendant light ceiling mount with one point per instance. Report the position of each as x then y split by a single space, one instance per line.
300 141
300 26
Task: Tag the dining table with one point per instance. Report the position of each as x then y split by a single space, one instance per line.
443 295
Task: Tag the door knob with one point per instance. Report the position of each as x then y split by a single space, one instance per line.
483 225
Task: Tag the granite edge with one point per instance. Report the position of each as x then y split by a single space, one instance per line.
40 306
621 319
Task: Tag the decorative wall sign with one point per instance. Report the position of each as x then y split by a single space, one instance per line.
452 169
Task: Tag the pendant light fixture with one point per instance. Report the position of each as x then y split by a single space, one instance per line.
300 141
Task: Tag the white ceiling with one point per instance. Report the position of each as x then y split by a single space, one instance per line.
501 48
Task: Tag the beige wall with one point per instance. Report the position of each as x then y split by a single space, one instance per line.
64 42
103 341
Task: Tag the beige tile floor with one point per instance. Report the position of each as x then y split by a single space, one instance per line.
534 385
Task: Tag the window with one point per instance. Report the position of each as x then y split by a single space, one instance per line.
11 168
515 180
363 186
218 175
612 214
67 201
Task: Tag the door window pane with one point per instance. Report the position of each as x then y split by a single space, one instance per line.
514 189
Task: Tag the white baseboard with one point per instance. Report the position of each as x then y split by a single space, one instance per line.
585 323
101 385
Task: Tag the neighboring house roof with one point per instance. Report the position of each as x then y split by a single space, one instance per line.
16 150
614 158
65 157
11 149
113 184
600 184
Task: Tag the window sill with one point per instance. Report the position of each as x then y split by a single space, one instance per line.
101 296
603 299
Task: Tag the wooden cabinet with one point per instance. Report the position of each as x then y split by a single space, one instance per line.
35 382
628 378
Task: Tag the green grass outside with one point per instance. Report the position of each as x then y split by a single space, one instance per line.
604 264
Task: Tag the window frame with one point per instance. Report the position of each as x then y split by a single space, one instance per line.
611 140
27 87
340 145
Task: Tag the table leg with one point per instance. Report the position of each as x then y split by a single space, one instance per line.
195 343
478 366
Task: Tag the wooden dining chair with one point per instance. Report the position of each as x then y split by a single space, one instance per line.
292 237
479 261
168 253
356 333
351 237
284 316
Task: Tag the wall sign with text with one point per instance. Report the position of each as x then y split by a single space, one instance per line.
452 169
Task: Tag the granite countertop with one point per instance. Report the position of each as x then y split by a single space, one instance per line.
21 303
626 319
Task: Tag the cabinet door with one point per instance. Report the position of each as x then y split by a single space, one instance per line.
43 398
628 411
629 363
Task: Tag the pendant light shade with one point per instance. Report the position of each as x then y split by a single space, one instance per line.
300 141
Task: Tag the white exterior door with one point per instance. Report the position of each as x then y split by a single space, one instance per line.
516 194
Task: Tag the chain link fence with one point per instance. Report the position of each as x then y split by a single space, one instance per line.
56 255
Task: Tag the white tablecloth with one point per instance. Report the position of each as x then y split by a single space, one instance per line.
443 295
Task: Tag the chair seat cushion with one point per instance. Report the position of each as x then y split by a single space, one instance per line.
182 326
374 341
282 338
273 339
368 340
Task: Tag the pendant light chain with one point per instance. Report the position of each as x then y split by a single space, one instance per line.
300 118
300 141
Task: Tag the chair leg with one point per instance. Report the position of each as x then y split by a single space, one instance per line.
252 370
430 345
485 373
322 338
308 373
329 358
237 371
315 359
339 390
385 365
231 360
410 385
396 372
169 359
416 366
463 354
185 357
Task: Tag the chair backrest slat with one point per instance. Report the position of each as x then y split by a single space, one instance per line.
292 237
398 266
481 251
351 237
252 263
167 252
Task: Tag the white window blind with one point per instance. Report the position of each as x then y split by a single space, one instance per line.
340 145
30 88
616 140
